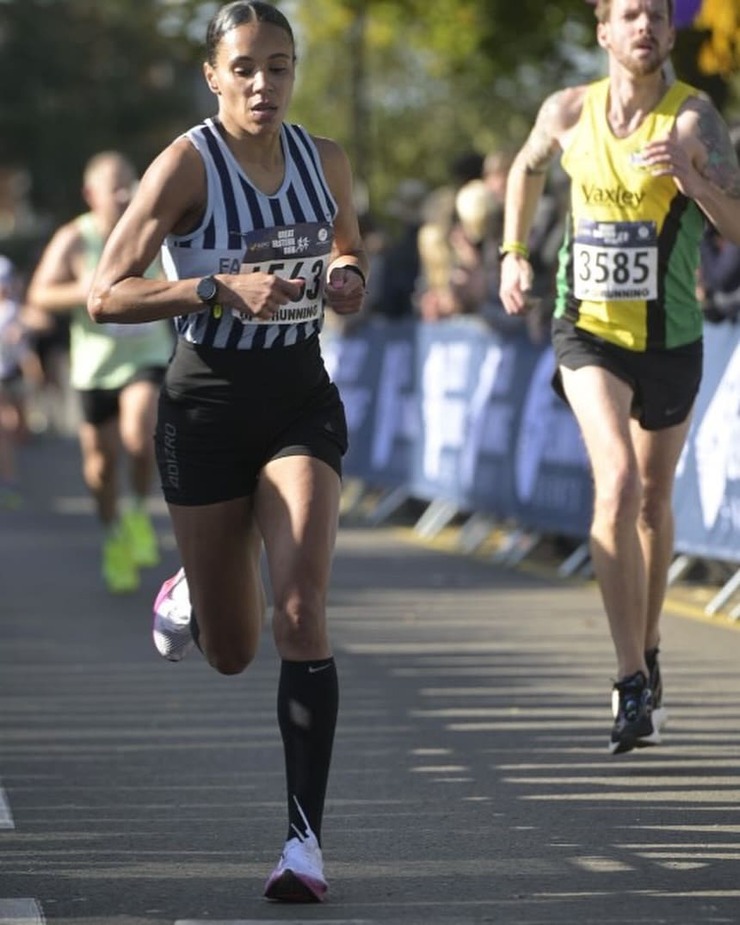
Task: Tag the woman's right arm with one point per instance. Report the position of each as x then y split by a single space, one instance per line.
170 198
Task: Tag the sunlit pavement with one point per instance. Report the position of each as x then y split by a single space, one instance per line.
471 779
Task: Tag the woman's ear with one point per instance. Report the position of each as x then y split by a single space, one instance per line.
210 75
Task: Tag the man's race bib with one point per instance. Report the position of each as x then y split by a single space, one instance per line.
615 261
292 252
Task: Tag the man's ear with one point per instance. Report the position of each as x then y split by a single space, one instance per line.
601 34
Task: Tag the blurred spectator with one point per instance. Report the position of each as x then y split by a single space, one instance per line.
474 241
433 298
52 404
720 278
465 167
496 166
16 367
719 272
401 261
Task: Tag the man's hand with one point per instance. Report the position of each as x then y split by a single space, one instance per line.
516 283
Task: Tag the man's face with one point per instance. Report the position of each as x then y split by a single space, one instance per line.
638 35
108 191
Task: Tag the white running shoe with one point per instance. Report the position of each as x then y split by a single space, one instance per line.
171 630
299 875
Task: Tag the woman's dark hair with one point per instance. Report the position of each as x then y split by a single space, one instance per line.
237 13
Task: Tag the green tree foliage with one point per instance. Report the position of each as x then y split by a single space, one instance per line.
406 85
410 85
81 76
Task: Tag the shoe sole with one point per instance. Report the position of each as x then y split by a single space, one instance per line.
173 653
628 743
288 888
660 718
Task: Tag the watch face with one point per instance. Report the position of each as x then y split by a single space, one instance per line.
207 289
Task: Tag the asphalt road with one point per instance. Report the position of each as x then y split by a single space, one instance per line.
471 780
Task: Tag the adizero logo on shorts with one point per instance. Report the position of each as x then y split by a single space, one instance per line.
298 251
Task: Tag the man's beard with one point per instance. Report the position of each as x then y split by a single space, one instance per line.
645 67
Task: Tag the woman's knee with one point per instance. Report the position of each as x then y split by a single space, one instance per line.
228 660
299 624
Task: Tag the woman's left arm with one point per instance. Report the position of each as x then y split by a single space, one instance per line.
348 269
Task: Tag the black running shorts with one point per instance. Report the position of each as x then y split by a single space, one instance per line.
101 405
224 414
664 382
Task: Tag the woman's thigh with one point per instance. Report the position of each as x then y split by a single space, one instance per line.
219 546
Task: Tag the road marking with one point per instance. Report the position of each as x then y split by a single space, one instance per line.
20 912
268 922
6 817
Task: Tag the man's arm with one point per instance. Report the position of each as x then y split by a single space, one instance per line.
700 157
59 283
526 182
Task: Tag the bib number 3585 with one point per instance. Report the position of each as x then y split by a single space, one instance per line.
615 263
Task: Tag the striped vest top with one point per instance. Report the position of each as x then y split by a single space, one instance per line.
628 264
244 230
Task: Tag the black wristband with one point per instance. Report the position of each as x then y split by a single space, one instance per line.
355 269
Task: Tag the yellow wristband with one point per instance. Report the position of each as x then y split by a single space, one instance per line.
513 247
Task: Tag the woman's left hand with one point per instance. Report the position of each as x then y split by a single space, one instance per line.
344 291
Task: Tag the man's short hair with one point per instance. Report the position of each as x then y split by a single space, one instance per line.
604 8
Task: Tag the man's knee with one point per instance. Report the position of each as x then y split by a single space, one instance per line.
620 497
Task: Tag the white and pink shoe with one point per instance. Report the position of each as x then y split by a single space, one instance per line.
171 629
299 875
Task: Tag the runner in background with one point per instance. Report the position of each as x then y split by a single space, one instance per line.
115 369
650 161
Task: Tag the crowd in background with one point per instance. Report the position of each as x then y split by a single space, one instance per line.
434 256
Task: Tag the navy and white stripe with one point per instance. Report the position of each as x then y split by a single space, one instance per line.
234 208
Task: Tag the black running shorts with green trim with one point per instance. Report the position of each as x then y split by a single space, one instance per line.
224 414
664 382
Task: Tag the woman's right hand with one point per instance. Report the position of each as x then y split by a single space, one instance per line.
258 295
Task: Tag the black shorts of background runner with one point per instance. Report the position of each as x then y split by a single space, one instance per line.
664 382
101 405
224 414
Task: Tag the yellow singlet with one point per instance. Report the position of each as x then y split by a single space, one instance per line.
627 267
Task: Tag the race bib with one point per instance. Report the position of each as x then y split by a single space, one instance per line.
298 251
615 261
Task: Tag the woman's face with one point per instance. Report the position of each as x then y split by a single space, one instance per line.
253 77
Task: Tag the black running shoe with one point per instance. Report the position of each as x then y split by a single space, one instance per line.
660 714
632 706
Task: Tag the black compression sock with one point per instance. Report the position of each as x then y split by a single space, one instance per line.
307 704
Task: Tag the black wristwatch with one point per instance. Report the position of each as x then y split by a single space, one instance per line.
207 290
